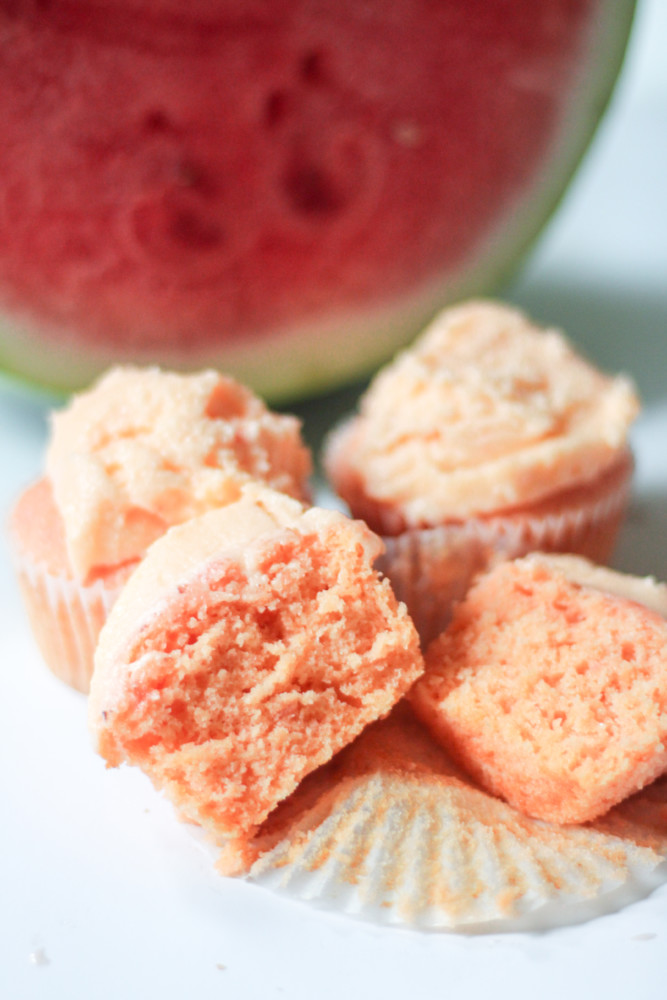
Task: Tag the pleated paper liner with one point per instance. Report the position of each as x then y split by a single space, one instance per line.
431 568
392 832
66 618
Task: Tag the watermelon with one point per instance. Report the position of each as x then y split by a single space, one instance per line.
283 189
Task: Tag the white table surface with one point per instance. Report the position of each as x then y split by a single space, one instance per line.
104 895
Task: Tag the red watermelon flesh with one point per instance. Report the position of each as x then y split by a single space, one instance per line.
285 189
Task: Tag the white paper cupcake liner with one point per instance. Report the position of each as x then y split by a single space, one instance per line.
408 842
431 568
448 857
66 618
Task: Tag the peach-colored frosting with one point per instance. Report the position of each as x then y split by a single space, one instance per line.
145 449
484 413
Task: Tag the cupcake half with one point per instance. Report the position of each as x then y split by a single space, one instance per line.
142 450
250 645
490 436
549 686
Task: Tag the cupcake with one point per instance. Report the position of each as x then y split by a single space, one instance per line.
249 646
549 686
142 450
488 439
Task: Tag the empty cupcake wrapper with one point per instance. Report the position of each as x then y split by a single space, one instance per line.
392 832
443 855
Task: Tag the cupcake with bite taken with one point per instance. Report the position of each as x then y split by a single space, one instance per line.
251 644
488 438
142 450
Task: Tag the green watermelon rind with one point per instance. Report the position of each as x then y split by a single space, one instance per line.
285 366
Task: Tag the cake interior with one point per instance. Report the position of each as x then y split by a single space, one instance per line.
250 676
551 694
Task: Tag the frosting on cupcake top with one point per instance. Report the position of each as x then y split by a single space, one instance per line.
145 449
486 412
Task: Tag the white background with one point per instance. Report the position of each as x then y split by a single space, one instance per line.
104 895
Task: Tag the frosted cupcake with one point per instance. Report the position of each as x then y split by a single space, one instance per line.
142 450
249 646
488 438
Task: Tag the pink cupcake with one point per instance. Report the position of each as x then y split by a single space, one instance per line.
250 645
549 686
140 451
488 439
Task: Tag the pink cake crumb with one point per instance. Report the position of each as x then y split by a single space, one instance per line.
230 680
552 693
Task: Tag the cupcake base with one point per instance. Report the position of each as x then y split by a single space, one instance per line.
431 568
66 616
66 620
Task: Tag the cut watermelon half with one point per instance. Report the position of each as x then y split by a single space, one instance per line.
284 190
